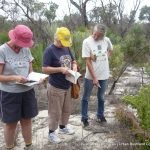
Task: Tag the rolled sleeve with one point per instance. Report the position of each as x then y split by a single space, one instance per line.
110 46
31 58
2 57
47 58
85 49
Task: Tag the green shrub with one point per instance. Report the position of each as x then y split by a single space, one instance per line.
147 66
116 61
115 39
3 37
134 43
142 103
37 53
81 29
77 38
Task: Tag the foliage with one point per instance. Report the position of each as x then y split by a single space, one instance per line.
105 14
78 38
35 8
72 21
114 37
146 27
37 53
50 13
82 8
142 103
4 24
145 13
116 61
3 37
38 50
135 44
82 29
147 66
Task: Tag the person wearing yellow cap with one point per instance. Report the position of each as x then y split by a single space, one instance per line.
57 60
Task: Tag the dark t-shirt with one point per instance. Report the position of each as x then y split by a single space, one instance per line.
58 57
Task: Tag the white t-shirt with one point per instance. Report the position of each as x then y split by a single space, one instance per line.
100 49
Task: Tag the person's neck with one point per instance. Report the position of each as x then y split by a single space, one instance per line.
57 44
12 46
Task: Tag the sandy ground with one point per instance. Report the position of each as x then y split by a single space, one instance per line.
112 135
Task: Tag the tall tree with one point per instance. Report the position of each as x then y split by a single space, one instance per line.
105 14
112 13
50 13
73 21
124 21
81 5
31 12
145 13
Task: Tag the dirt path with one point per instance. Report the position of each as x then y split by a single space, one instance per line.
112 135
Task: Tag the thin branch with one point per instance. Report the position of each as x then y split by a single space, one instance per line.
76 5
140 52
25 12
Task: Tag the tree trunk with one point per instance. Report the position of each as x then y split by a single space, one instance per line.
82 9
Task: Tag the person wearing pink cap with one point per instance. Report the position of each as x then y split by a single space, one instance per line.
17 102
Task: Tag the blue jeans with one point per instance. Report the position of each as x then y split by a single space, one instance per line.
88 86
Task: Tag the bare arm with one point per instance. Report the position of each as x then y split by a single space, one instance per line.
10 78
109 52
74 66
30 67
51 70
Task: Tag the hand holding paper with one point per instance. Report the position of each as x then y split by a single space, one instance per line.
34 78
73 76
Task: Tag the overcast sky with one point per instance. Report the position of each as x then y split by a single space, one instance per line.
63 6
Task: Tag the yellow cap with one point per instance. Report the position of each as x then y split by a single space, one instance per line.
64 36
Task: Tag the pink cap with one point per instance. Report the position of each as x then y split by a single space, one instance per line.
22 36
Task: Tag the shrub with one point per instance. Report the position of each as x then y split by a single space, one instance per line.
116 61
147 66
37 53
78 38
115 39
135 43
3 37
142 103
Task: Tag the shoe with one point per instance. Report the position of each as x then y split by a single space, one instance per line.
9 149
85 123
102 119
28 147
54 138
66 130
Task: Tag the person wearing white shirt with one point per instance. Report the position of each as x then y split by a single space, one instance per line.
95 49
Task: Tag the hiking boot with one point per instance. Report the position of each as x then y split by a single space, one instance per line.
85 123
54 138
66 130
28 147
102 119
9 148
